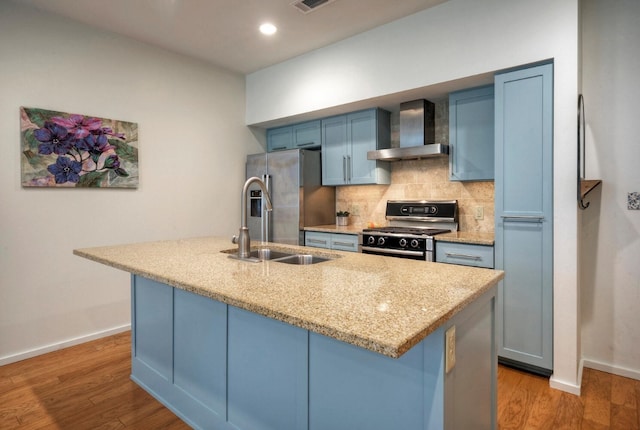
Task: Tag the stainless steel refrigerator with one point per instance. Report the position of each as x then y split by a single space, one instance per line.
294 181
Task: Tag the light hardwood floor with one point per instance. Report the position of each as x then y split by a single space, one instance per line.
88 387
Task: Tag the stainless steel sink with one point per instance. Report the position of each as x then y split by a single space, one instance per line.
266 254
302 259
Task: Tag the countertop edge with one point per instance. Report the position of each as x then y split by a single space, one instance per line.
395 350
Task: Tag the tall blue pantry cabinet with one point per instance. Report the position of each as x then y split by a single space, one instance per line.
524 217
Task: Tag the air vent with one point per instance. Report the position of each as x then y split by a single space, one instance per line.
306 6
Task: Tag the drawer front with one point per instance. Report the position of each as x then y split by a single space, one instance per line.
464 254
344 242
317 239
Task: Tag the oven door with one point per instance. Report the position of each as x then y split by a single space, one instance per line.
400 253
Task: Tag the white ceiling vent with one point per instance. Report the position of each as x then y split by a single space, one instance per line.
306 6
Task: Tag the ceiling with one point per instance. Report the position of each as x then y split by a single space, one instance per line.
225 32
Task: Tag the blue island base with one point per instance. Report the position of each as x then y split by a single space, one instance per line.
220 367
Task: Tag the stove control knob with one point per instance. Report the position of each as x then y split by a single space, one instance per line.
381 241
414 243
371 240
402 242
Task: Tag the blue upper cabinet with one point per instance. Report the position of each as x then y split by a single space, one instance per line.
305 135
524 216
346 139
471 134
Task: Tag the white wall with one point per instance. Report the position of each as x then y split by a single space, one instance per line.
193 144
611 247
454 40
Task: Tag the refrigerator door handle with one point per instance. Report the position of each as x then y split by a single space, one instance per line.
266 215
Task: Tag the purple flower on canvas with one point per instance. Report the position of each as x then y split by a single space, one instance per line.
109 131
54 138
78 126
65 170
94 143
112 162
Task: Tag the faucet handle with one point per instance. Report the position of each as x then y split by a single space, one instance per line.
234 239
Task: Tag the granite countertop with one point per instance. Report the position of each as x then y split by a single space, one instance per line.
384 304
470 237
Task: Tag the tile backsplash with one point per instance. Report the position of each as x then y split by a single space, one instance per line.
420 179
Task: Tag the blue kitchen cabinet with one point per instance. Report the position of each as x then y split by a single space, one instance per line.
221 367
307 135
179 350
346 139
471 134
524 216
465 254
338 241
304 135
279 139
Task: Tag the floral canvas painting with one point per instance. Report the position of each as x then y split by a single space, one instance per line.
72 150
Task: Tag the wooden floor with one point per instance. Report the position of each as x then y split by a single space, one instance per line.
88 387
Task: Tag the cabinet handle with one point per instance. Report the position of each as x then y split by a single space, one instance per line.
465 256
344 168
349 167
349 244
278 148
306 144
534 218
323 242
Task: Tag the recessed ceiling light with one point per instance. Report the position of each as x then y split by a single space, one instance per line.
268 29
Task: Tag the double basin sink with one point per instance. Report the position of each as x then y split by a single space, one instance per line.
267 254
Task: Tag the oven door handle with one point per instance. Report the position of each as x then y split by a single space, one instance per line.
384 251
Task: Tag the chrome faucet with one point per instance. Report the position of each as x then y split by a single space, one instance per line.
243 240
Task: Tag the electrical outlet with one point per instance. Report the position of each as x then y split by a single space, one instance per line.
479 213
450 349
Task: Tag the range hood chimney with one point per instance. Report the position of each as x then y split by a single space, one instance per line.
417 134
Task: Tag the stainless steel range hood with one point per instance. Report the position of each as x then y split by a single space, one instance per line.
417 134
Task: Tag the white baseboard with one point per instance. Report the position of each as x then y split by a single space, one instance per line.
61 345
615 370
568 387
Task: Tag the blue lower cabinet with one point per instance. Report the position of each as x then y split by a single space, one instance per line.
267 373
179 351
199 362
153 327
353 388
220 367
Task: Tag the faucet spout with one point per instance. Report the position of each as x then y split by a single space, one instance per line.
244 241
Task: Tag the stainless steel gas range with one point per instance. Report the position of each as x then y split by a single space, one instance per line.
412 225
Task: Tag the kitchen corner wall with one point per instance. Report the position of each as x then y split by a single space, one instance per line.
420 179
193 144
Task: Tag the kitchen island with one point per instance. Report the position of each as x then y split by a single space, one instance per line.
358 341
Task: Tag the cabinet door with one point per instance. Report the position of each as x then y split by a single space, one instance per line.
344 242
334 150
307 135
471 134
524 215
279 139
361 131
317 239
